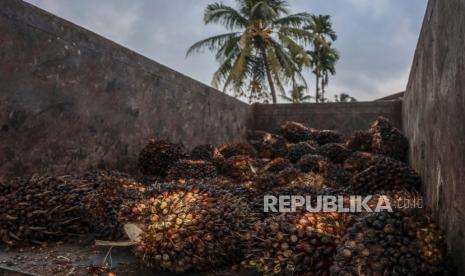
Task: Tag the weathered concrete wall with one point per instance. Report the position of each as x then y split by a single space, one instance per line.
434 118
71 100
345 117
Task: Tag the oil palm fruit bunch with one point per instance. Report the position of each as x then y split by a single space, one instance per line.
208 153
42 208
404 242
235 149
256 202
360 160
275 165
205 152
312 163
300 149
333 176
191 228
296 132
359 141
103 203
386 174
388 140
337 153
240 168
268 145
301 243
158 156
268 181
328 136
191 169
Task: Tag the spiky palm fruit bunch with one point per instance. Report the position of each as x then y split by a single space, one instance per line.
110 191
205 152
208 153
235 149
191 229
328 136
386 174
191 169
359 141
42 208
240 168
388 140
360 160
312 163
296 132
268 145
157 157
337 153
302 243
257 201
333 176
268 181
300 149
404 242
276 165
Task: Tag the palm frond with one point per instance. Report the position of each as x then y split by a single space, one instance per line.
293 20
211 43
298 34
239 68
225 15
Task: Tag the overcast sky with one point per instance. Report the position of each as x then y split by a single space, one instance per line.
377 38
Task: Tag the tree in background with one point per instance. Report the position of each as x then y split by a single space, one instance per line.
329 57
297 94
343 97
323 56
257 53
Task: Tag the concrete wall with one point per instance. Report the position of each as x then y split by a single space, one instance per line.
434 118
71 100
345 117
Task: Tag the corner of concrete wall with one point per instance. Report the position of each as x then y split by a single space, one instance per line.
434 118
71 100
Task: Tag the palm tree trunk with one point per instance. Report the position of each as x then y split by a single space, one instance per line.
317 92
322 90
268 75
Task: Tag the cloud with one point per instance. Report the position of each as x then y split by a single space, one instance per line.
375 9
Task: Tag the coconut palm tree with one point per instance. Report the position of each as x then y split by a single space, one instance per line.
328 58
344 97
297 94
321 55
257 52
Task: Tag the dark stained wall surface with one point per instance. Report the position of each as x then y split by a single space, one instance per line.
71 100
345 117
434 118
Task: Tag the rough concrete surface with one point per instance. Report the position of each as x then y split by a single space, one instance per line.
344 117
71 100
434 118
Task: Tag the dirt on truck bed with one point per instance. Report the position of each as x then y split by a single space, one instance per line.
78 258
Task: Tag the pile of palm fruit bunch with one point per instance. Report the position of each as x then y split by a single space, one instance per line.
191 227
405 242
41 208
203 209
158 156
191 169
302 243
110 192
